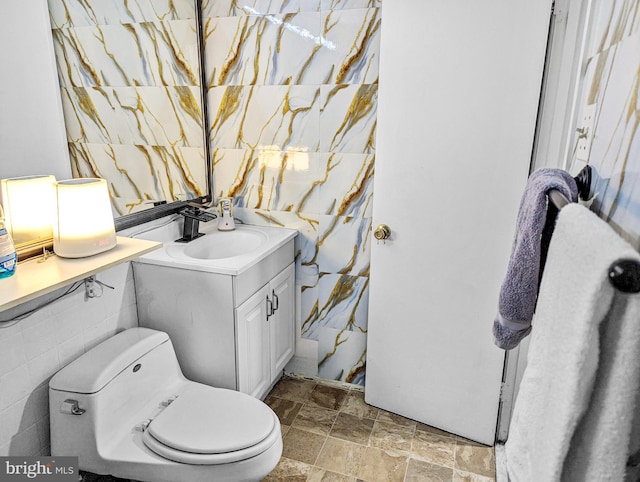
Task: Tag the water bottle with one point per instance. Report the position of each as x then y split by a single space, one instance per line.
8 256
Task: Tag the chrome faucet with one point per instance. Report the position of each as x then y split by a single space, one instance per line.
193 214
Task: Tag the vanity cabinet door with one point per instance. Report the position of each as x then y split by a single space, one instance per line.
252 342
266 334
281 322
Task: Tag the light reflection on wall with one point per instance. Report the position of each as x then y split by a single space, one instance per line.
273 158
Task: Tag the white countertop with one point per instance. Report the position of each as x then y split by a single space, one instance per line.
274 238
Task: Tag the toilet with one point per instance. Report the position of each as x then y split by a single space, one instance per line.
125 409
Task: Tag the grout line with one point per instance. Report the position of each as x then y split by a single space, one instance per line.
329 433
406 469
320 451
338 412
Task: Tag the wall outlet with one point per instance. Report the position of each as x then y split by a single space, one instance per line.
585 133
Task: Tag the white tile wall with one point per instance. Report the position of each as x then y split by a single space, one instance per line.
37 347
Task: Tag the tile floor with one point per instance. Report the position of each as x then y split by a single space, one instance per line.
330 434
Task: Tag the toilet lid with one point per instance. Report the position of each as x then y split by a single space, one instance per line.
206 420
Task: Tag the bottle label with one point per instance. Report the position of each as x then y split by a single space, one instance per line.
8 262
7 252
6 245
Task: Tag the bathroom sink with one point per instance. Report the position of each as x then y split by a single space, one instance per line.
220 244
224 252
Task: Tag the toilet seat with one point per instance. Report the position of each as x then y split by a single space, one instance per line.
206 426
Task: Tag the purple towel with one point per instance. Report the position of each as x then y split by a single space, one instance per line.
519 291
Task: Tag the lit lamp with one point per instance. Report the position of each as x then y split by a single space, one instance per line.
84 225
29 207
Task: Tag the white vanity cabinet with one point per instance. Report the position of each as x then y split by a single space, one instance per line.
265 334
231 328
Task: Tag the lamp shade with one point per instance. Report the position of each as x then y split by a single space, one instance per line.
29 206
84 224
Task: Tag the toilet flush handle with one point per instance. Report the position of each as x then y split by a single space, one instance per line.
71 407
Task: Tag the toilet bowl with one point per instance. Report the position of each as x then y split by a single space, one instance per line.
125 409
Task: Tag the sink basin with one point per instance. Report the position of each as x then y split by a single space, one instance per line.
224 252
220 244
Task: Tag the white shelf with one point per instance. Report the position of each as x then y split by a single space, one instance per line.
33 279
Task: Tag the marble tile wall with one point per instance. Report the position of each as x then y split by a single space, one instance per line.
612 83
292 101
130 82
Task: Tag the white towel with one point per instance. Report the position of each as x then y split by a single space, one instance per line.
573 415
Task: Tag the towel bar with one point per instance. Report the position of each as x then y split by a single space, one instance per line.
583 181
558 199
624 274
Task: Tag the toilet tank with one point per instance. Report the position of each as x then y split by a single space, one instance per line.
118 384
96 368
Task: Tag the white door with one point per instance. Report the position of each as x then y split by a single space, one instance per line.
458 96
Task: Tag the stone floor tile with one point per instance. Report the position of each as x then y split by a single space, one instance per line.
474 457
461 476
352 428
302 446
390 436
315 419
385 416
365 444
321 475
290 471
286 410
355 405
379 466
294 389
427 428
328 397
341 456
419 471
433 448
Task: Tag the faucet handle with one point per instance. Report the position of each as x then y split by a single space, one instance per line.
202 203
207 216
198 214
